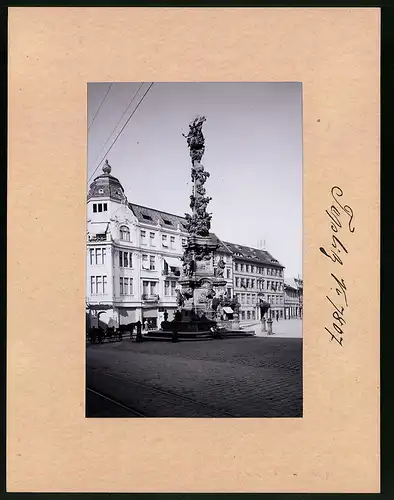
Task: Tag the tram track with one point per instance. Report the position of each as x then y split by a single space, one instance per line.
167 398
135 413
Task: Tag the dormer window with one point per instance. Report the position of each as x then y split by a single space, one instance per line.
168 222
146 217
124 233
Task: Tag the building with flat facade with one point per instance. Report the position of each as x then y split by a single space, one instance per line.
257 275
134 262
293 298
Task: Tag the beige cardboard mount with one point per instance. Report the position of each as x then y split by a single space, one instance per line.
53 54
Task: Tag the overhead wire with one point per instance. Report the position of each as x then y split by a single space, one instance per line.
120 119
121 130
101 104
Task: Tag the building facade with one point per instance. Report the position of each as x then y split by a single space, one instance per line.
293 298
257 275
134 262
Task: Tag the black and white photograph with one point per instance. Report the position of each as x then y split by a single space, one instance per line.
194 284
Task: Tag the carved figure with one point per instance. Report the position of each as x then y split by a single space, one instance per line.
195 139
211 292
179 298
220 268
200 189
201 175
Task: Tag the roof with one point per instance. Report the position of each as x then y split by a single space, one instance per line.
152 216
221 246
293 283
250 254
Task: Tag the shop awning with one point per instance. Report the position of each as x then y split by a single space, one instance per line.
228 310
149 313
98 228
173 262
99 307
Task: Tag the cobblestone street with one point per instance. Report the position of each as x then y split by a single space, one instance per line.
249 377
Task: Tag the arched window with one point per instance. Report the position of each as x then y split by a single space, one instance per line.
124 233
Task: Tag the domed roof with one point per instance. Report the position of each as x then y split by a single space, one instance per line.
107 186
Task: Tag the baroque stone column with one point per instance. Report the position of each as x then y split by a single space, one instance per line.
200 289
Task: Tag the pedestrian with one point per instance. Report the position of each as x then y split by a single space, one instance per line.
146 325
277 316
174 334
138 337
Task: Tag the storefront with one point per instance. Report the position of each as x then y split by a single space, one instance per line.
150 318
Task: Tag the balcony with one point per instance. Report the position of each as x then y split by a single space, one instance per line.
146 297
171 274
98 237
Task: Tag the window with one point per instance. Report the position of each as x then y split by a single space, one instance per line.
105 207
242 282
172 241
167 222
247 282
242 298
169 288
236 267
153 288
126 286
146 217
98 285
248 314
253 298
145 264
242 268
229 293
143 237
100 207
152 239
237 282
97 256
94 207
253 314
228 273
248 298
152 262
252 269
247 268
164 240
100 256
184 242
125 259
251 283
121 285
124 233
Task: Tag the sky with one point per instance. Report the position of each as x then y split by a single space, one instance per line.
253 151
